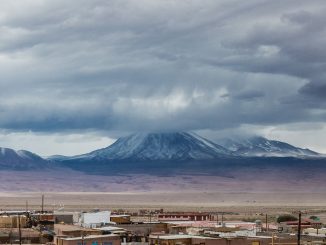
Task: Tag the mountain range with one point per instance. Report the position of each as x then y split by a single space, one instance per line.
155 148
171 162
260 146
20 160
182 146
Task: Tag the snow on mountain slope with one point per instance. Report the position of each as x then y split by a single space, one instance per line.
21 159
187 146
158 146
260 146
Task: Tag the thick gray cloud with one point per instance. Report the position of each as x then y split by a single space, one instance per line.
121 65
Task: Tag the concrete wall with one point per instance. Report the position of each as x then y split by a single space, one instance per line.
89 241
64 218
181 241
120 219
12 221
219 241
91 219
145 228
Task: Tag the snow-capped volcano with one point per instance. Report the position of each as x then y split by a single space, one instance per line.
186 146
11 159
260 146
158 146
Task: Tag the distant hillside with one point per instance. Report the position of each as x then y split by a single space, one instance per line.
168 153
150 161
20 160
259 146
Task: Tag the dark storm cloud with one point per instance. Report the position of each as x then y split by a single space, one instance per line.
250 95
160 65
317 89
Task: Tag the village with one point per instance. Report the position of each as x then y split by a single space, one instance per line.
151 227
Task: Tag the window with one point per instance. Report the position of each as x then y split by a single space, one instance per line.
107 243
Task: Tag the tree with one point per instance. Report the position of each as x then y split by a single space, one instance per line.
286 217
315 218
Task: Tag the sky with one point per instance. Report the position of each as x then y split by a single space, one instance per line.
75 75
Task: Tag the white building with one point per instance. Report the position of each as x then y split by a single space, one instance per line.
93 220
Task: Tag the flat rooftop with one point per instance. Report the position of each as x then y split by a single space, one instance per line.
90 237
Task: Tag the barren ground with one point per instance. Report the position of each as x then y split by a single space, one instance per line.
78 191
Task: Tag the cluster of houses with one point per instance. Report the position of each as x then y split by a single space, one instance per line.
181 228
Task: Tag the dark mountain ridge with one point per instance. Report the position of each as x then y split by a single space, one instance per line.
182 146
20 160
180 153
257 146
157 147
168 152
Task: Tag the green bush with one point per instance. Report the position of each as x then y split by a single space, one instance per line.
313 217
286 217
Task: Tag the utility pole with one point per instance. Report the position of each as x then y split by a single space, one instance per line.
19 229
299 229
82 238
10 237
42 204
266 219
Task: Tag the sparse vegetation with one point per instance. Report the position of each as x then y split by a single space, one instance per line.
313 217
286 217
249 219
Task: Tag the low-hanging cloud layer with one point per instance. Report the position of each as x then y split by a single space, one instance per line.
118 66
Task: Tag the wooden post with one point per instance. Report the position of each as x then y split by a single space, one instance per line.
19 229
42 204
299 229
